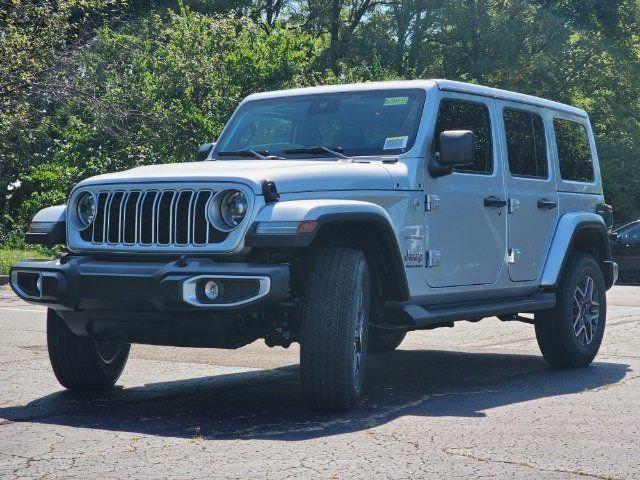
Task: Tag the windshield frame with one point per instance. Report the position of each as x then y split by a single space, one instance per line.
421 94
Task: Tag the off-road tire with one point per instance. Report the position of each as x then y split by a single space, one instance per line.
382 341
337 301
77 361
557 338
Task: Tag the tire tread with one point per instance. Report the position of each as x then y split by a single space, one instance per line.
325 362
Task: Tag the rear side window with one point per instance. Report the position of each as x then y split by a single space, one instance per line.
457 115
574 152
526 145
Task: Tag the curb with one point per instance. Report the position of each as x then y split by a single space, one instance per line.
4 279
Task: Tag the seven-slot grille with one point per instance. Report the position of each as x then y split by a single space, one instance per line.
152 218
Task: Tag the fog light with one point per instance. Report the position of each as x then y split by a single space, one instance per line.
211 290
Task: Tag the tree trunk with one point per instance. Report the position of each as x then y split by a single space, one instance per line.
334 46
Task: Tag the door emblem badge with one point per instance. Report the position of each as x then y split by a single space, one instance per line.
414 256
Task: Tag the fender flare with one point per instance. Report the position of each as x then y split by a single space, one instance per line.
322 211
568 228
327 212
48 227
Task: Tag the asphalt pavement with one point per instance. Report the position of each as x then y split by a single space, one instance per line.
472 401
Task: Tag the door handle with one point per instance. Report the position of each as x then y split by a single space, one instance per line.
547 204
494 202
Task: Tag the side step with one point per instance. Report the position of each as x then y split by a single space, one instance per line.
407 315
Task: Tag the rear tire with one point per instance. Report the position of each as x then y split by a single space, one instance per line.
570 334
333 344
382 341
81 363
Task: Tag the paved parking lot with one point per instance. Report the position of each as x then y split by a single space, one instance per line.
473 401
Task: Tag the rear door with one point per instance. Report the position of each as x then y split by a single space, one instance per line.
531 189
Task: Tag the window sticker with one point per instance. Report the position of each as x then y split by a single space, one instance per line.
393 101
395 143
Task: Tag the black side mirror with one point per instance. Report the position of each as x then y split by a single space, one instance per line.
613 236
204 151
456 150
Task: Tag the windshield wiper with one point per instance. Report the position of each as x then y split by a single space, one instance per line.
243 153
319 150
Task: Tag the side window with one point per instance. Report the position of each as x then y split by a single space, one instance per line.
526 145
574 152
458 115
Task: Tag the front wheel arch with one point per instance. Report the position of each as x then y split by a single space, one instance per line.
375 237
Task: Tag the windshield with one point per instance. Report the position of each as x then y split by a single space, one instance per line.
311 126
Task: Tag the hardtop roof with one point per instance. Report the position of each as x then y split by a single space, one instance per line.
444 85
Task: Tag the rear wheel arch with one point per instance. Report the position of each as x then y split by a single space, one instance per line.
592 239
578 234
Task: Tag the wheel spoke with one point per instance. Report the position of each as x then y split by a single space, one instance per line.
358 340
586 310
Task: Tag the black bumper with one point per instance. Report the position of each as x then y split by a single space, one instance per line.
85 284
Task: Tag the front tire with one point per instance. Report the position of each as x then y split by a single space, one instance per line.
570 334
81 363
335 326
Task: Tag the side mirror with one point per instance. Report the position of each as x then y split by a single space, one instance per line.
204 151
456 150
613 236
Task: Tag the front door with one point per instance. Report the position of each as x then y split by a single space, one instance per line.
531 189
466 218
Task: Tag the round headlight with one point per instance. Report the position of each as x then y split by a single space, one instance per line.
86 210
233 208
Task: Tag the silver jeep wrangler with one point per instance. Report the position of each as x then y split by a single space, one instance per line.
341 218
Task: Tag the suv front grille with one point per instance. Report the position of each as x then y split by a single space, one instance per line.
153 218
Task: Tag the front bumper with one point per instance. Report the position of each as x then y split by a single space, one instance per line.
82 283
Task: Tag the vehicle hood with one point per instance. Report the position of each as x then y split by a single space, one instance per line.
289 175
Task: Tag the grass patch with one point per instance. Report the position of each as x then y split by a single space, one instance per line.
9 257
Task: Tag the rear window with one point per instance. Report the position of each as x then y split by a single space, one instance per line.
526 145
574 152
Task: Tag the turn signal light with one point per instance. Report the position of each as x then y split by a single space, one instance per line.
307 226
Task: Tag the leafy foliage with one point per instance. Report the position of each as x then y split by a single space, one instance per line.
92 86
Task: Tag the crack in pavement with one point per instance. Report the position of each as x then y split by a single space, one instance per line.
450 451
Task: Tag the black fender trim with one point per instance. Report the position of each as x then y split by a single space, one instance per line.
49 234
609 269
305 240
